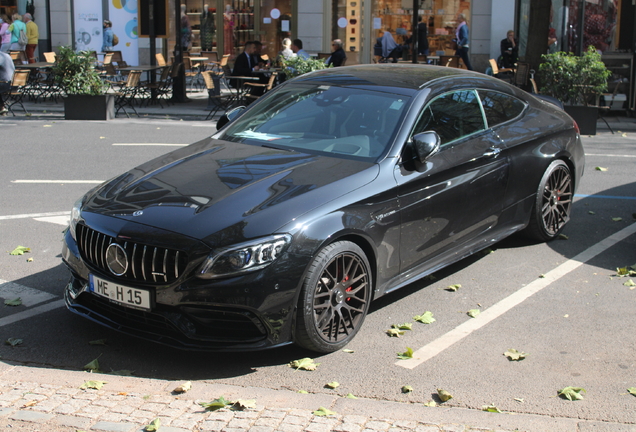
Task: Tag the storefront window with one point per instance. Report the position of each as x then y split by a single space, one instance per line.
396 17
276 24
595 21
200 15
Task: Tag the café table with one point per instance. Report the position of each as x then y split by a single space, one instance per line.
39 86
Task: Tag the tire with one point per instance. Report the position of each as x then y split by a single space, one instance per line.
334 299
553 203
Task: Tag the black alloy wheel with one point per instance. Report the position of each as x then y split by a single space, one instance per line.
553 203
335 298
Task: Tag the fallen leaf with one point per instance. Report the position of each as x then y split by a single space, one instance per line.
303 392
630 283
183 387
348 351
632 390
563 237
407 389
617 219
572 393
13 342
405 326
350 396
394 332
20 250
425 318
153 426
216 404
431 404
332 385
305 364
408 354
444 395
600 169
490 408
97 342
92 366
453 287
243 404
624 135
542 276
514 355
487 251
30 260
30 404
473 313
93 385
46 126
14 302
519 400
322 411
591 212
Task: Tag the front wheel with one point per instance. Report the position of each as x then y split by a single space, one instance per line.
334 299
553 203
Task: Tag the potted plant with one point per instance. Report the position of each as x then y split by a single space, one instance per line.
577 82
296 66
86 97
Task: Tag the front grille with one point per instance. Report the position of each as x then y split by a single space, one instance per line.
146 264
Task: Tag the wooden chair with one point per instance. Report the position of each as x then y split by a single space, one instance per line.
125 96
161 61
116 56
16 93
264 86
217 99
50 57
108 58
160 89
19 57
506 73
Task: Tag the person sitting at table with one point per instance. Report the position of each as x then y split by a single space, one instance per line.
245 66
297 48
286 52
7 68
257 56
338 56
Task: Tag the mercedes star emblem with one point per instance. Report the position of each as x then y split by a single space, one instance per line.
117 259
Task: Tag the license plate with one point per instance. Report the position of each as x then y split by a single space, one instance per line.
120 294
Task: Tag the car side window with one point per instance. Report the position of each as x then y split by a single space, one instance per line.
500 107
452 115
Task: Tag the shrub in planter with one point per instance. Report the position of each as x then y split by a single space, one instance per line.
296 66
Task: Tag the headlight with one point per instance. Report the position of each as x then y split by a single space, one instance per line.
244 257
75 215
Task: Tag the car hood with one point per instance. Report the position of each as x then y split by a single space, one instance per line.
223 192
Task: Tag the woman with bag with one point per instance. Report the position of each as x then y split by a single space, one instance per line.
5 22
18 33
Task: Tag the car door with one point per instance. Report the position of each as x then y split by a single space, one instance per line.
456 195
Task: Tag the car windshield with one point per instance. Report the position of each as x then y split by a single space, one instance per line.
333 120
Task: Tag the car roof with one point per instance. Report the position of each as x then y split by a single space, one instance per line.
400 78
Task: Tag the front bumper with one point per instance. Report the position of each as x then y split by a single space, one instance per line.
251 312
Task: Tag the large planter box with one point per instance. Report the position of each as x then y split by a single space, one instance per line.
585 117
84 107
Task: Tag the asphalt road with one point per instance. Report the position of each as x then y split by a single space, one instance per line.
559 302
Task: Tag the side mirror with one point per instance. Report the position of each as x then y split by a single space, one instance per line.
229 116
425 145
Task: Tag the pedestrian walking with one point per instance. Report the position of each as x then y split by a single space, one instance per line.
33 35
5 22
18 41
107 44
461 35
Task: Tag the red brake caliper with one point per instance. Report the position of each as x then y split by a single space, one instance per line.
348 289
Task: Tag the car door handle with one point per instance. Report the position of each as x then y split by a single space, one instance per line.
492 152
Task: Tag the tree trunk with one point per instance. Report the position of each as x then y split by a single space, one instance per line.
538 29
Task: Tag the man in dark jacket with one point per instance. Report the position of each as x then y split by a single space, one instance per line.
422 37
338 56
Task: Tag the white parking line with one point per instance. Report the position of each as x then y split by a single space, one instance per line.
29 296
610 155
31 312
463 330
35 215
59 220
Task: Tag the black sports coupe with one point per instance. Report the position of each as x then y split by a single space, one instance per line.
332 190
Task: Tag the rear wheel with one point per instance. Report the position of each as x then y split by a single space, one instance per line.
334 299
553 203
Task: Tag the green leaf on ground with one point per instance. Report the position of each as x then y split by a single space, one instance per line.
350 396
572 393
186 386
408 354
243 404
20 250
304 364
626 271
407 389
394 332
332 385
97 342
348 351
514 355
425 318
303 392
490 408
322 411
216 404
473 313
600 169
591 212
405 326
453 288
563 237
630 283
153 426
431 404
444 395
632 390
617 219
92 366
13 342
97 385
14 302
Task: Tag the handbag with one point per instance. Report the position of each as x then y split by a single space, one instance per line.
22 38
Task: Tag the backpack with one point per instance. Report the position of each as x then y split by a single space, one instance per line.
22 39
115 39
